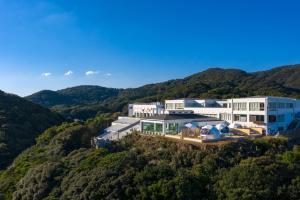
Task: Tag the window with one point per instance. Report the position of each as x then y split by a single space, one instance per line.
256 106
170 106
278 105
173 128
240 118
146 126
256 118
158 128
179 106
225 116
229 105
240 106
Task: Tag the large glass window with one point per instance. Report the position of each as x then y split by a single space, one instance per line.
158 128
170 106
240 118
179 106
256 106
147 126
174 106
225 116
256 118
278 105
240 106
173 128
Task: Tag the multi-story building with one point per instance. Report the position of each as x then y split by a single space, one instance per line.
271 113
145 109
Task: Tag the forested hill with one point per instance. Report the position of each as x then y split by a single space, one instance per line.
63 166
21 121
86 101
76 95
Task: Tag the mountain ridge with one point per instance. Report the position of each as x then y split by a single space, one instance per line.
211 83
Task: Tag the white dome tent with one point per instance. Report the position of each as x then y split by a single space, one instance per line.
210 132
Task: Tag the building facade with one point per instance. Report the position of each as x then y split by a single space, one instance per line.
145 109
271 113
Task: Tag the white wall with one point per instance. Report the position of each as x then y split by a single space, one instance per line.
147 109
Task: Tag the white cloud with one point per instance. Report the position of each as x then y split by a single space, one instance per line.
108 74
46 74
68 73
90 73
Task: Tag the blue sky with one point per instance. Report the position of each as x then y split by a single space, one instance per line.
117 43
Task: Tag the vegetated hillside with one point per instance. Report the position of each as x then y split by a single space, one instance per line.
63 166
84 94
21 122
87 101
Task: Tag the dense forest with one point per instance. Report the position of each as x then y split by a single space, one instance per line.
83 102
63 166
20 123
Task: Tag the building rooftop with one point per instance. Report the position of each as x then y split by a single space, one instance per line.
263 97
182 116
126 120
149 103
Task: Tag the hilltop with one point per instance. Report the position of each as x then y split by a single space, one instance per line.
21 121
86 101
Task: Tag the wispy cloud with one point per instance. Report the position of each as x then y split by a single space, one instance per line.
69 73
46 74
108 74
90 73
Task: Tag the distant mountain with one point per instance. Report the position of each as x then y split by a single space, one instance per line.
20 122
76 95
86 101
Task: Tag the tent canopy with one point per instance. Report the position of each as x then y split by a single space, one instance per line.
190 125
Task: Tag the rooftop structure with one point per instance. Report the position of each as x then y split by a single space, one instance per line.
145 109
119 128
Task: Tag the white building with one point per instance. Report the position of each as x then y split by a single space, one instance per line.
118 129
271 113
145 109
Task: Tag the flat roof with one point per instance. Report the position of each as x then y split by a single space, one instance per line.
263 97
181 116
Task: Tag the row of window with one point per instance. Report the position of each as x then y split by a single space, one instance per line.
174 106
158 127
253 106
225 116
252 118
278 105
